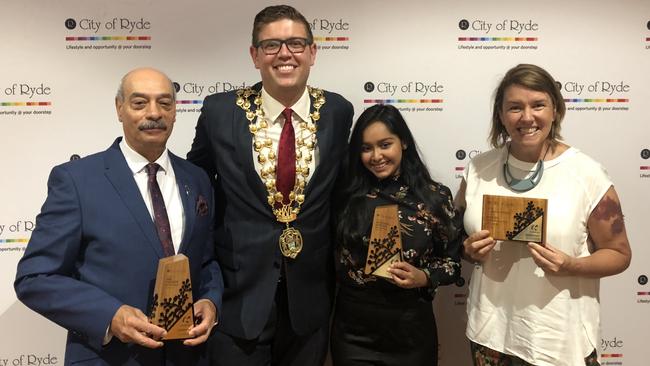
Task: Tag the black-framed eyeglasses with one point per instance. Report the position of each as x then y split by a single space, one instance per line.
273 46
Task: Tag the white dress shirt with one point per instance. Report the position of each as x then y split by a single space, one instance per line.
273 113
168 186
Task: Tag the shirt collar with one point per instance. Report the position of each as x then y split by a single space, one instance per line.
273 108
137 162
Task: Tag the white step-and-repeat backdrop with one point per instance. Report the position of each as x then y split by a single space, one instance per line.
438 61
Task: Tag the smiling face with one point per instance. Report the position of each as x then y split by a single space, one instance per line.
147 110
527 115
284 75
381 151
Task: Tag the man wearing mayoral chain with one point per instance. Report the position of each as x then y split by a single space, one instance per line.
273 152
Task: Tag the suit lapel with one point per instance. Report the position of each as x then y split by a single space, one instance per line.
121 177
324 141
188 192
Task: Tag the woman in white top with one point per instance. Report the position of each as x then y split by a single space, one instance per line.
532 304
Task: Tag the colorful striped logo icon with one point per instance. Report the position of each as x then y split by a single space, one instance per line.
24 104
396 101
331 39
498 39
9 241
614 100
189 101
108 38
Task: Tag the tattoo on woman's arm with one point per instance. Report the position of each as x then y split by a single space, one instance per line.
609 209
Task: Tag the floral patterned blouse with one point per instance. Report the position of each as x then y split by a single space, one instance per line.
425 244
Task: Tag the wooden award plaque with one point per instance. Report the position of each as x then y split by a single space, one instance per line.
515 218
385 245
172 306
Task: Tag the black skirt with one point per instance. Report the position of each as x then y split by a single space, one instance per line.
383 325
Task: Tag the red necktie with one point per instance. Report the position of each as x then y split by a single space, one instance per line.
286 170
159 211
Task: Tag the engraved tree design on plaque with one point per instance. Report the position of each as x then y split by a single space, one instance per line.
383 249
169 310
524 219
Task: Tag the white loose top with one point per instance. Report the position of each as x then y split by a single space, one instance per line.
513 306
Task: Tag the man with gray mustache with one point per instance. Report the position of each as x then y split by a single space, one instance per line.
108 218
153 125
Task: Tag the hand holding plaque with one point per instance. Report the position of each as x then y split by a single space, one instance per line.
172 307
515 218
385 245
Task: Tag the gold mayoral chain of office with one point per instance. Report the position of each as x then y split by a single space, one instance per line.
290 242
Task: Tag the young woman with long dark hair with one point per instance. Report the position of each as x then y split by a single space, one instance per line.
391 320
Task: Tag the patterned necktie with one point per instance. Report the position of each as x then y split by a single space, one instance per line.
285 176
159 211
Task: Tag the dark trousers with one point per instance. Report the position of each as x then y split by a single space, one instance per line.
277 345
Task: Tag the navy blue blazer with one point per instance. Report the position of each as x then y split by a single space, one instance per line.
95 248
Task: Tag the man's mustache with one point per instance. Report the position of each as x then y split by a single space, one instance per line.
153 125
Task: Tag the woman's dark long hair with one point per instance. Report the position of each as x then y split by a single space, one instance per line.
352 219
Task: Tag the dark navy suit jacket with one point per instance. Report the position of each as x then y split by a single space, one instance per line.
95 248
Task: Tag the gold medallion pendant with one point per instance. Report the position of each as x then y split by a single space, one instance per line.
290 242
